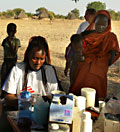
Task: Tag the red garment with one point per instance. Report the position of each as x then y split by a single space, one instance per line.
93 72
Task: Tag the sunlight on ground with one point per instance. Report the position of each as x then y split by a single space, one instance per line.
57 33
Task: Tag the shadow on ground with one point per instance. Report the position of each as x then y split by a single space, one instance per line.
63 79
113 88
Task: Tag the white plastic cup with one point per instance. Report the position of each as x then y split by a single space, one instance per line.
81 103
89 93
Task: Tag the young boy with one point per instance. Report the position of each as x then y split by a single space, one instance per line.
74 54
10 45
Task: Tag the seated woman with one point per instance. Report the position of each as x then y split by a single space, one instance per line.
34 74
101 51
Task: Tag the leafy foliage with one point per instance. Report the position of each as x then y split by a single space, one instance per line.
51 15
114 15
29 14
39 10
10 13
17 11
73 14
58 16
75 0
76 12
96 5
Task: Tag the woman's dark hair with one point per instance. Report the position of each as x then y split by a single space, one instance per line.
39 43
36 42
11 27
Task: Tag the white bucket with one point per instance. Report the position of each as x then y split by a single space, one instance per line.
89 93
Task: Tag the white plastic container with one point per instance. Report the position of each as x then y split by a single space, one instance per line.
81 103
89 93
111 126
86 122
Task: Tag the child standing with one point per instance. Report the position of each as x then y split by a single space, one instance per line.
10 45
74 54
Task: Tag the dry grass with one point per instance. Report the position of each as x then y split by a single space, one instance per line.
57 33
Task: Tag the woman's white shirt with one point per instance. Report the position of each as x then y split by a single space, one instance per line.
14 82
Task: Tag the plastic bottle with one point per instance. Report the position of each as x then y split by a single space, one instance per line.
24 107
86 122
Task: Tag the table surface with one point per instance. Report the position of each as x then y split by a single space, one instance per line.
75 125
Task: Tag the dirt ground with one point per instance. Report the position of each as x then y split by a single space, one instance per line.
57 33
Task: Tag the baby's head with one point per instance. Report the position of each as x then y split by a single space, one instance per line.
101 23
11 29
76 42
36 53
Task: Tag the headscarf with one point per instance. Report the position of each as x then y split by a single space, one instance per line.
101 43
104 12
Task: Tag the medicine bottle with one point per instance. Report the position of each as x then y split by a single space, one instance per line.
86 122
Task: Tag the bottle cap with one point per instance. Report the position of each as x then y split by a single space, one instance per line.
25 94
86 115
54 126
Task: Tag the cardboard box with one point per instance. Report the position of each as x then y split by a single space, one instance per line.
111 126
61 109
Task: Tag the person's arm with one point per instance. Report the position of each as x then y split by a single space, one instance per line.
113 54
11 100
3 42
10 87
17 45
67 67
